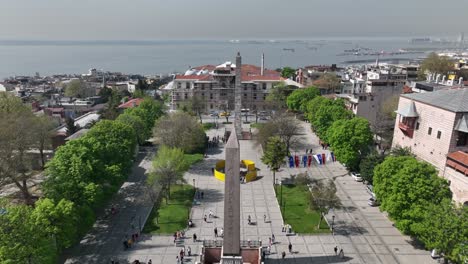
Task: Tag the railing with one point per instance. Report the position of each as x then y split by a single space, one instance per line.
408 130
212 243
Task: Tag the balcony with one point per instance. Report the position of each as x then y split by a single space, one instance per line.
407 129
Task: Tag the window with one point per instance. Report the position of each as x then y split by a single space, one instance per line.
439 134
264 86
211 96
179 85
187 85
462 139
211 106
245 95
417 125
202 86
254 87
255 96
429 131
186 96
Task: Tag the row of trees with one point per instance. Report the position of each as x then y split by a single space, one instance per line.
419 201
81 177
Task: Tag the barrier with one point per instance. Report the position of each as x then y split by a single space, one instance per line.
248 165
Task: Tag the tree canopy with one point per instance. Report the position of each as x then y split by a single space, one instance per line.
75 88
323 198
435 64
367 165
327 112
299 98
283 125
288 72
274 154
404 184
180 130
350 140
328 81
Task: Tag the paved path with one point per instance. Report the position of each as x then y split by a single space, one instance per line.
364 233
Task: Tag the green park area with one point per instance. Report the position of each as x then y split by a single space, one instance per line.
171 216
296 210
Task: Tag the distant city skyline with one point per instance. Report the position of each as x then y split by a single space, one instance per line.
214 19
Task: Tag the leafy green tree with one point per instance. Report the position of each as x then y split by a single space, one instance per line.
21 239
299 98
149 111
350 140
75 88
197 106
276 99
401 151
43 126
328 82
142 85
323 198
274 154
328 112
435 64
105 93
168 168
71 127
138 126
443 226
57 219
367 165
288 72
180 130
404 184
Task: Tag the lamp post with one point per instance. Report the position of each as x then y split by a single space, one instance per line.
333 224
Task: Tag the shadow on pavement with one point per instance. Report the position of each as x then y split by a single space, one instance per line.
317 259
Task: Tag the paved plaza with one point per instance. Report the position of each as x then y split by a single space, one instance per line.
364 233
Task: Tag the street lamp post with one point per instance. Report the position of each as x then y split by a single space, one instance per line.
333 224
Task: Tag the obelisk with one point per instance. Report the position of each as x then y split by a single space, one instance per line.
238 97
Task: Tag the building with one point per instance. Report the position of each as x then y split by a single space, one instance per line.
131 103
435 126
215 86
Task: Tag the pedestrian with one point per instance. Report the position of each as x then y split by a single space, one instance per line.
290 247
336 250
216 231
189 250
282 228
130 242
263 255
211 214
221 232
202 194
212 170
150 261
283 255
177 258
194 237
341 253
249 219
268 250
204 218
272 238
125 244
269 241
264 218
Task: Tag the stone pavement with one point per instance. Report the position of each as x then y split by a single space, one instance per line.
364 233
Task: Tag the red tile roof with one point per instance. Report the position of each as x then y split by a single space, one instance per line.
458 161
249 73
131 103
208 67
261 78
407 89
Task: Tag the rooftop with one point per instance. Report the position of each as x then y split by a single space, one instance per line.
459 161
454 100
131 103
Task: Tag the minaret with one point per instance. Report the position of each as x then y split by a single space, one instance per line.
238 97
262 64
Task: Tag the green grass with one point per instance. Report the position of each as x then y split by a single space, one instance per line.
208 126
256 125
297 212
173 216
191 159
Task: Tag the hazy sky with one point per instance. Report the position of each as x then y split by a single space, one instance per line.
223 19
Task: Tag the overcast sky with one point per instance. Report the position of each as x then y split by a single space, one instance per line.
228 19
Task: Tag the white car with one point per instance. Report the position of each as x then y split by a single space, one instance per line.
356 176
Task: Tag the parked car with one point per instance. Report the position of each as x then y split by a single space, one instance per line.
373 202
356 176
370 190
225 114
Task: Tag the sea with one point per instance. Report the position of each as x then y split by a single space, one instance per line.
153 57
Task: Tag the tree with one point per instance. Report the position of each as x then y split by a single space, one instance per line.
105 93
435 64
168 168
444 227
385 121
273 156
21 239
328 82
141 85
401 151
197 106
283 125
16 138
313 106
323 198
367 165
288 72
75 88
149 111
71 127
43 126
276 99
298 99
137 124
180 130
350 140
328 112
404 184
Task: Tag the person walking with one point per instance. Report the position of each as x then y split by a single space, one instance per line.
249 220
204 218
290 247
177 258
194 237
189 251
202 194
283 255
216 231
273 238
150 261
341 253
210 215
336 250
264 218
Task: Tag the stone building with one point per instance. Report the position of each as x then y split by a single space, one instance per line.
435 126
215 86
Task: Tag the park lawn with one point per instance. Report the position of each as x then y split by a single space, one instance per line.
208 126
256 125
191 159
297 212
173 216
